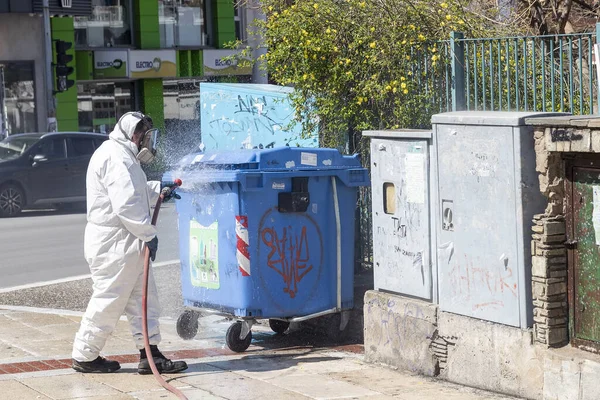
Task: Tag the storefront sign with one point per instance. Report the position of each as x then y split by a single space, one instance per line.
152 63
216 62
60 7
110 64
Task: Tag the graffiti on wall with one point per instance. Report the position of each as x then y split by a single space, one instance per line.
243 117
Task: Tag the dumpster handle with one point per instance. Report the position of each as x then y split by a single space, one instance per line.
338 235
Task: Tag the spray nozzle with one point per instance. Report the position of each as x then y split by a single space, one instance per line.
169 187
172 184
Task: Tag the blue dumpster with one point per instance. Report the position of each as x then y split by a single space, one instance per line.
267 234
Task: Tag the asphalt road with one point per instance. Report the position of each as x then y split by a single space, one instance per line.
42 246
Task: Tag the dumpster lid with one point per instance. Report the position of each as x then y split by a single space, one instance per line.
489 118
282 158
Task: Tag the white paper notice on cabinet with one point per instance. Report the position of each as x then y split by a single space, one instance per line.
414 165
596 213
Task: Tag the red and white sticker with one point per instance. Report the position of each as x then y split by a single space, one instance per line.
242 253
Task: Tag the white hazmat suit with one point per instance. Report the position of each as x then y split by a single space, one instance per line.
119 223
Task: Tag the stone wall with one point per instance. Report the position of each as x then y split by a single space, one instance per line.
555 137
549 256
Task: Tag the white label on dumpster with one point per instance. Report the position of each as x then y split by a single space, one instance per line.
278 186
308 159
198 158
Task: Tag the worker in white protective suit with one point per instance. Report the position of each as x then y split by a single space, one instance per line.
118 229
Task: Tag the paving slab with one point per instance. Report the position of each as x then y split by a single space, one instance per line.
127 380
320 387
237 387
17 390
191 394
72 386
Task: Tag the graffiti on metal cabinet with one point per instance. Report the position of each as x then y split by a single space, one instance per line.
467 280
399 227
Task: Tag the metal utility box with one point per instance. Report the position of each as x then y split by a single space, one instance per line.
400 177
487 195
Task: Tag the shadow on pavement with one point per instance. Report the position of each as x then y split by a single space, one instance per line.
266 363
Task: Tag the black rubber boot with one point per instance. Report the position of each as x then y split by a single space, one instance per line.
99 365
163 364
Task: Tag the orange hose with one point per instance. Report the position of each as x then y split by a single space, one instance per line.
155 372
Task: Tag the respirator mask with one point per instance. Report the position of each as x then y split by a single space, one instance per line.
147 146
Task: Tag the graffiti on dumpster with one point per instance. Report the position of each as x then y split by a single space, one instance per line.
291 250
289 255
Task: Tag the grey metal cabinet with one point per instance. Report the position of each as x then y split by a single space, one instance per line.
401 212
487 194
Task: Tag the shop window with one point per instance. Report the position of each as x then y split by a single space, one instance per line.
238 18
17 98
108 26
101 104
182 23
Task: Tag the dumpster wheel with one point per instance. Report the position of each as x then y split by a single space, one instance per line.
279 326
233 340
187 325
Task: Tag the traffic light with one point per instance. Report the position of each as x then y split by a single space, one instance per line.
62 69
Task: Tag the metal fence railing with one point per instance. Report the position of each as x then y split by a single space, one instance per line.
528 73
540 73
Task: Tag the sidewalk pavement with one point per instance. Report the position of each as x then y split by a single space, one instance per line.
35 346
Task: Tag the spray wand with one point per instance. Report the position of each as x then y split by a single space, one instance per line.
166 192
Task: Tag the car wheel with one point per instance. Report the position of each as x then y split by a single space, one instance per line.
12 200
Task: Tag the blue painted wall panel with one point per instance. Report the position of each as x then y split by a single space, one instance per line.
246 116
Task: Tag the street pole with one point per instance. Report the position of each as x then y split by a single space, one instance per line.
51 113
3 121
259 72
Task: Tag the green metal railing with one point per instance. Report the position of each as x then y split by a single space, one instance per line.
532 73
541 73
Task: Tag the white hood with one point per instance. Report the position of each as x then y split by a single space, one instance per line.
128 122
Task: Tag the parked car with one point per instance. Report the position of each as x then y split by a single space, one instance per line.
44 169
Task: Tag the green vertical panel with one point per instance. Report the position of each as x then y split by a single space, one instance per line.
197 63
153 102
147 31
224 23
66 102
585 318
85 65
184 63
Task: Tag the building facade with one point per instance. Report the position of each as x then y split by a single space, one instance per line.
23 93
147 55
144 55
